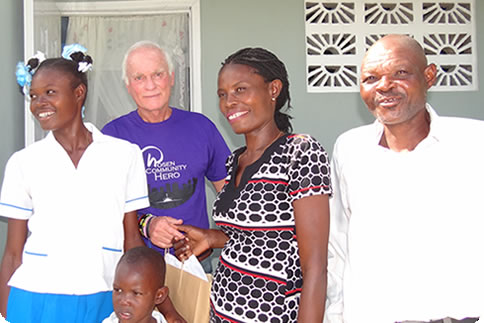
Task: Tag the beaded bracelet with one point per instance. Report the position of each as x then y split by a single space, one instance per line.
144 224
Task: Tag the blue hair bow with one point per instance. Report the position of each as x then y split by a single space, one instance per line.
23 74
68 50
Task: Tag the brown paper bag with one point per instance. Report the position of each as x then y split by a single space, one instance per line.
189 294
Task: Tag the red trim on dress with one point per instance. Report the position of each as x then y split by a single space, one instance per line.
267 181
252 274
220 315
294 291
308 188
220 223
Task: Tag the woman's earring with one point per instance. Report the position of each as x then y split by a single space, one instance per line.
273 99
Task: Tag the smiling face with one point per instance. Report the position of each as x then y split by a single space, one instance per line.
149 79
136 292
245 99
54 102
395 79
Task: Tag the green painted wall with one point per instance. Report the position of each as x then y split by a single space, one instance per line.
228 25
11 106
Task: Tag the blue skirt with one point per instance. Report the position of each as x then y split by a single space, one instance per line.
28 307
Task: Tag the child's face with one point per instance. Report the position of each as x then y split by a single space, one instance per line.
54 103
135 293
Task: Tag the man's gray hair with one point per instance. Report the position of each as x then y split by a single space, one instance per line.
145 44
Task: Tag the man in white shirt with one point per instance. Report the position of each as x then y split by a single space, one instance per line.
407 240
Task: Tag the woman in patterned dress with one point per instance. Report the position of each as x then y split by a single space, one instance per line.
272 213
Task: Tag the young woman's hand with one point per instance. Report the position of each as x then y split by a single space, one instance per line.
198 242
195 241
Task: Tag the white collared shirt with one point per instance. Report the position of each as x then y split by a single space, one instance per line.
407 228
75 215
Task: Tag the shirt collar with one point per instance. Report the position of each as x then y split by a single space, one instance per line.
435 133
97 136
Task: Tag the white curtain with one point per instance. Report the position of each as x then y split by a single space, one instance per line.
108 38
47 34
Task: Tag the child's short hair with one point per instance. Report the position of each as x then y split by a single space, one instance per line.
144 256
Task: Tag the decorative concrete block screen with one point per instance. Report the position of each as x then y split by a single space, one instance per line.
339 32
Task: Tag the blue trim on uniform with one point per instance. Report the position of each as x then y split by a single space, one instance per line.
17 207
138 198
36 254
111 249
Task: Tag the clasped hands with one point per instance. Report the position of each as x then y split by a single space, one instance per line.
167 232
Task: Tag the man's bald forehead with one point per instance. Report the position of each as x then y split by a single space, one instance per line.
403 43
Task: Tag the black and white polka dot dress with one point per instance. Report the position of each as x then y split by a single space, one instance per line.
259 276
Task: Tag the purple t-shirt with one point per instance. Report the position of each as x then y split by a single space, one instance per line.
178 153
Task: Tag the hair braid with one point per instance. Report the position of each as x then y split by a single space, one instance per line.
270 68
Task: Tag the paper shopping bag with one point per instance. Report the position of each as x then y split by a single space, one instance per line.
190 294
